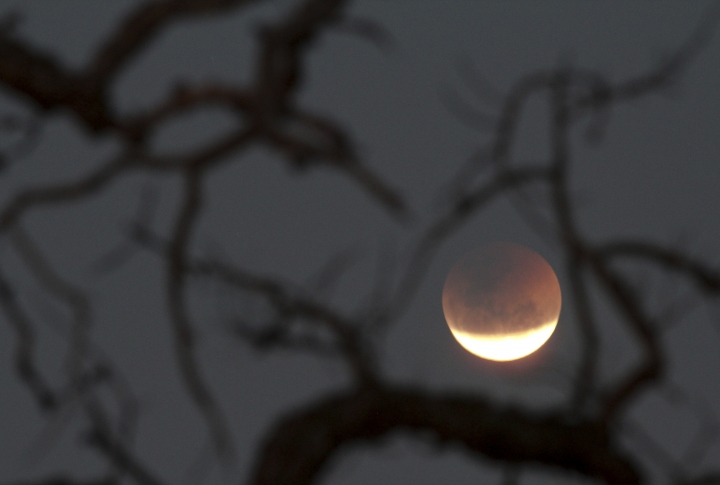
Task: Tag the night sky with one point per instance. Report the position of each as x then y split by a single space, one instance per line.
654 176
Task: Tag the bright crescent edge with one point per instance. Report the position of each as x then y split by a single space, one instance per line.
505 347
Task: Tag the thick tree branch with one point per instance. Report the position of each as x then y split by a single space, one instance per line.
47 84
302 444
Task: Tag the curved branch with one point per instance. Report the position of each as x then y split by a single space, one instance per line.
63 192
301 445
25 365
50 85
286 301
279 63
705 277
291 306
651 369
142 25
184 338
71 295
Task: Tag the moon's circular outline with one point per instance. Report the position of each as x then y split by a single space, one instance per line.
508 346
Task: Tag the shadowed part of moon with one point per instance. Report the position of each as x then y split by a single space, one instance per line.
502 295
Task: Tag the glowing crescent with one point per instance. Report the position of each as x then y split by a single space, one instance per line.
505 347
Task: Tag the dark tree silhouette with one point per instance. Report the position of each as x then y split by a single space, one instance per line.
580 435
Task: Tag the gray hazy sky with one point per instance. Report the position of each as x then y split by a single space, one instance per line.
654 176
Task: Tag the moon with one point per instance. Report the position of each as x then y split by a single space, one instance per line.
502 301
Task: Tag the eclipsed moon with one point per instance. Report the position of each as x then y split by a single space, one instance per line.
502 301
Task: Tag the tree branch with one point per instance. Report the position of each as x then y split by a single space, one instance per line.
302 444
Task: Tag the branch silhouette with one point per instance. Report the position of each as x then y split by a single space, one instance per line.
581 436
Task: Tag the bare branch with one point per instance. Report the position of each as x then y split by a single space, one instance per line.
290 306
299 448
279 63
59 193
182 329
141 26
288 302
603 94
651 369
185 98
61 289
25 348
43 81
705 277
101 439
